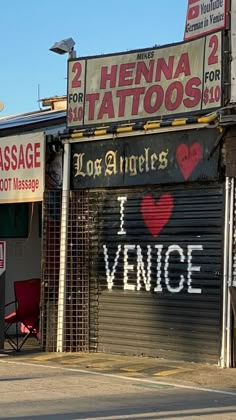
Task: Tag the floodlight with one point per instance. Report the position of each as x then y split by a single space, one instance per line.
64 46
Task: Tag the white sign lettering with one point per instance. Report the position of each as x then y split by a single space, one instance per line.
204 16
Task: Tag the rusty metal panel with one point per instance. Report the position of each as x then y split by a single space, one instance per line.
156 271
230 152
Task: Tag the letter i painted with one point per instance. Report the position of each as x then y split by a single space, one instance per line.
122 200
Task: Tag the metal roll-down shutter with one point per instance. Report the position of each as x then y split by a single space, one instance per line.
156 271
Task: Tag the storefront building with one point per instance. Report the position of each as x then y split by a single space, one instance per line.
29 163
146 224
143 255
156 211
137 243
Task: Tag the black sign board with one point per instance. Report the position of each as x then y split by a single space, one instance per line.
162 158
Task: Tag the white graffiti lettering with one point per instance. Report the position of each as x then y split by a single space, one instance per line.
128 267
192 268
142 274
173 248
141 269
111 273
158 287
122 201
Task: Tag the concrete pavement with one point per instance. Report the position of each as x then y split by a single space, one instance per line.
157 370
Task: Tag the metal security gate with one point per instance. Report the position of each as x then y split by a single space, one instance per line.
50 268
156 271
76 313
76 327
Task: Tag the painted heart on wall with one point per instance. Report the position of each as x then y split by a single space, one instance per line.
156 214
188 158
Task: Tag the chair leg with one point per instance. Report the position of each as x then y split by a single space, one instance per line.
24 340
17 343
13 343
17 337
32 331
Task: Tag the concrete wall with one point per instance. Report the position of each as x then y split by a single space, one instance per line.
23 256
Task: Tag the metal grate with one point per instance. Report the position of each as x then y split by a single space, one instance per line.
76 328
76 319
151 302
50 268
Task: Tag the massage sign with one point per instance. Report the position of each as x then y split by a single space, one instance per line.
22 168
131 214
173 80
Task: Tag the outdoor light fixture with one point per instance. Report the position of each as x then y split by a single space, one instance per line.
64 46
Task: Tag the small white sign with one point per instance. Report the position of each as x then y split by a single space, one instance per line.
2 257
204 17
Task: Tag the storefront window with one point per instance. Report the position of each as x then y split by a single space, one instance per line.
14 220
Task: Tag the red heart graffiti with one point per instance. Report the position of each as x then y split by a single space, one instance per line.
188 158
156 215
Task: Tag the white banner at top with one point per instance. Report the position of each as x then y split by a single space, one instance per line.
22 161
204 17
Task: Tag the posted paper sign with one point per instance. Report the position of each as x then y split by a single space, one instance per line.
204 17
2 257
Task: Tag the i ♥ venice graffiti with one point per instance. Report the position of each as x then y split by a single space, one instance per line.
151 241
139 262
182 156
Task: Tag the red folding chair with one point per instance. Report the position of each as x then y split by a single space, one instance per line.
26 313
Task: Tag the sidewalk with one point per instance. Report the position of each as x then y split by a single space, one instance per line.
159 370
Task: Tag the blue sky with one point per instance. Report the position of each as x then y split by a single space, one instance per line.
29 28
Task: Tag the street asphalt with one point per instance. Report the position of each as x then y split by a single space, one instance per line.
49 386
